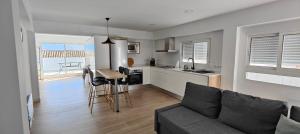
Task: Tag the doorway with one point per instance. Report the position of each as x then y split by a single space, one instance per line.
64 56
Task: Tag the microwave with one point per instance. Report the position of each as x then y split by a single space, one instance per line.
134 47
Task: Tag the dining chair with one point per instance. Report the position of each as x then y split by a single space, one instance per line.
112 83
123 83
94 82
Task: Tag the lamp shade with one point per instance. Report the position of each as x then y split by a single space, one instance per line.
108 41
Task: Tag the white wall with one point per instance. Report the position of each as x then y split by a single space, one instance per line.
216 41
164 58
215 51
146 51
13 116
273 91
279 10
65 39
101 52
33 66
24 61
76 29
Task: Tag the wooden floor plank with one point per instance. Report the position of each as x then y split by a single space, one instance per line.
64 110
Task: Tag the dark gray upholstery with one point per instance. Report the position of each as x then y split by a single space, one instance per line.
250 114
295 113
182 120
240 114
157 111
203 99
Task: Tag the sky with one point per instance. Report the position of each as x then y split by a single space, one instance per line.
56 46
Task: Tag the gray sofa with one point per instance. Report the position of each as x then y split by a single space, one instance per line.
208 110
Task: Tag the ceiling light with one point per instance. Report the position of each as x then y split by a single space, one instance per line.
108 40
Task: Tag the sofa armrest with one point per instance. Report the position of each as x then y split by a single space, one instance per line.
157 111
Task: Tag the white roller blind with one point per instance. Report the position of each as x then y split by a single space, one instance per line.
263 51
291 51
201 52
187 51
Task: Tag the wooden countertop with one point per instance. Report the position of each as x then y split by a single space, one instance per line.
111 74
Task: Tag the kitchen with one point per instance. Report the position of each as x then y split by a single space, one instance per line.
171 70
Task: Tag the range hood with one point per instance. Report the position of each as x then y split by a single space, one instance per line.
166 45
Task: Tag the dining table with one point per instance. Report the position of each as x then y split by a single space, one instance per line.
110 74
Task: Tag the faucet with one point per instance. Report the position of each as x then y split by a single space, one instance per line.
193 67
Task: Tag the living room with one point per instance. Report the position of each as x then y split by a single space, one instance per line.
225 53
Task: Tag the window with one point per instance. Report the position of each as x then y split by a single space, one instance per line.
200 52
187 51
196 50
263 51
279 51
291 51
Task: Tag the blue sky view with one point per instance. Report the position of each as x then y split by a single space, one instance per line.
53 46
53 64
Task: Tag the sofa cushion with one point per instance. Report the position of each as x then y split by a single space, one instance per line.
295 113
182 120
203 99
252 115
211 126
287 126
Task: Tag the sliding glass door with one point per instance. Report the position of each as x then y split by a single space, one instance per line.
57 60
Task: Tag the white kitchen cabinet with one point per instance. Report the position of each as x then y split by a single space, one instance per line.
146 75
175 81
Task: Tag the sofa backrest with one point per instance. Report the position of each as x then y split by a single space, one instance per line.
295 113
252 115
203 99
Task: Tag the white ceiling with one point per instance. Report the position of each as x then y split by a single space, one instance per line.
149 15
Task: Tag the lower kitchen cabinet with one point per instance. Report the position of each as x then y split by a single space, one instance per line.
175 81
146 75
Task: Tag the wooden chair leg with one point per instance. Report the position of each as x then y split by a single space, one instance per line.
109 96
128 96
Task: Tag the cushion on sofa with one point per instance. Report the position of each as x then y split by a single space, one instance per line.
203 99
287 126
182 120
295 113
252 115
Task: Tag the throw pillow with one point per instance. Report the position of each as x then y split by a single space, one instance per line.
287 126
250 114
295 113
202 99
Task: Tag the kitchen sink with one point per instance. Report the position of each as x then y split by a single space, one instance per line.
202 71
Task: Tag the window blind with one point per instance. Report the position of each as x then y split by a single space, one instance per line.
200 52
263 51
291 51
187 51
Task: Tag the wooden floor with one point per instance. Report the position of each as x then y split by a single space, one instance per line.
63 110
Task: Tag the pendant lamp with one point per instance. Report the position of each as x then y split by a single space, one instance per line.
108 40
